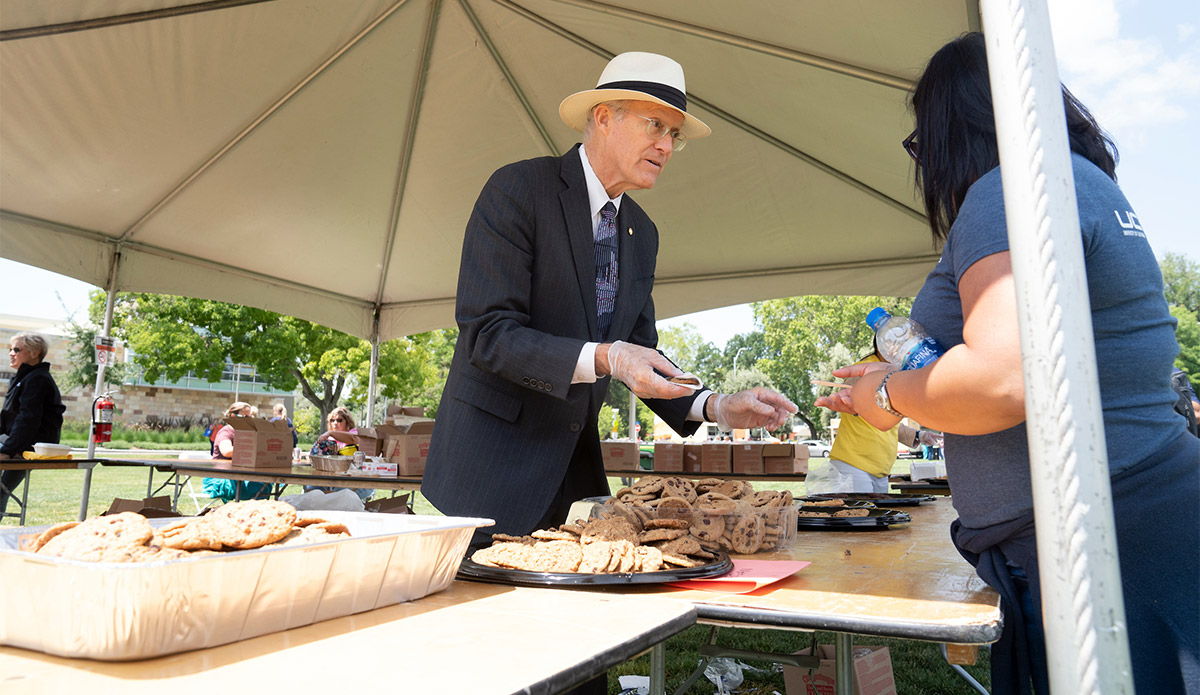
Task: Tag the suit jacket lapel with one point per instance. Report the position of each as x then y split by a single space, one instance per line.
579 231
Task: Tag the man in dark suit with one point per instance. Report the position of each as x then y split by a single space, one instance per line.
553 298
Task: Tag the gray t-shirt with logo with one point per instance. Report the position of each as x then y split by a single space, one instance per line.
1134 333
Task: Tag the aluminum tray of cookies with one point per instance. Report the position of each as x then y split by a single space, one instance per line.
721 515
124 611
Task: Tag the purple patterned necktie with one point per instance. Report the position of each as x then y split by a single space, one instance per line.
606 266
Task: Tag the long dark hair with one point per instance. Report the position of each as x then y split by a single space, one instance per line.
956 131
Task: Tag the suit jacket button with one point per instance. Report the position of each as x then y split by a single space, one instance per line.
549 387
541 384
525 380
574 427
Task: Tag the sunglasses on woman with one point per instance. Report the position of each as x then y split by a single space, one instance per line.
911 146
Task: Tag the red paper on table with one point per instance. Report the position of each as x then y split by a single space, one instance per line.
746 576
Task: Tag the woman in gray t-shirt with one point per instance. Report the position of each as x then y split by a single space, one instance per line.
975 391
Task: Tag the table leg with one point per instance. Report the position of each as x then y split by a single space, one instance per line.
843 642
658 669
83 498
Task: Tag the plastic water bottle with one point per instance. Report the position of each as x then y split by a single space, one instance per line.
902 341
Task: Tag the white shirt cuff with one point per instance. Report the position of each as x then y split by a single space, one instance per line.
585 366
697 412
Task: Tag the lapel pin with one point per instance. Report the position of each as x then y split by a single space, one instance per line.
631 231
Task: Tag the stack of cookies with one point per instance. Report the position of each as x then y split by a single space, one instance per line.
718 514
598 546
129 537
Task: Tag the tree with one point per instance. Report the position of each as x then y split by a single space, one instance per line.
81 360
1187 333
802 330
1181 282
682 345
173 336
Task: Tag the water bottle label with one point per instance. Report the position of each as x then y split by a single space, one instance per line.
925 353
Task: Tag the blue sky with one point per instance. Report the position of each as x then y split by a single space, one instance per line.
1134 63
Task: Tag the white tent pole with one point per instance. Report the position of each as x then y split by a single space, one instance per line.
373 372
1082 607
111 292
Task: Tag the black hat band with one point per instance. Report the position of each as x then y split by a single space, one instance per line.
669 94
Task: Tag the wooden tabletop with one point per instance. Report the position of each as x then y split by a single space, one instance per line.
472 637
906 581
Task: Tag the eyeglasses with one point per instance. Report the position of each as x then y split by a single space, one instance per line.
912 147
657 129
15 349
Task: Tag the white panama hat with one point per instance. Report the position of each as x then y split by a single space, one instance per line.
639 76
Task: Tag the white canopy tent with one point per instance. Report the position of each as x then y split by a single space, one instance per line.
321 159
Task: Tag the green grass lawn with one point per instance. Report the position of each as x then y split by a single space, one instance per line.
919 667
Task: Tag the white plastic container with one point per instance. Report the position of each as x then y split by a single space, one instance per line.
46 449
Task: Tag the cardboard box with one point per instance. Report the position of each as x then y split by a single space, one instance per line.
406 443
872 673
921 470
691 458
716 457
149 507
784 458
259 443
620 455
748 458
402 412
668 457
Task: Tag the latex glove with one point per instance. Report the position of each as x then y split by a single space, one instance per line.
843 400
634 366
929 438
756 407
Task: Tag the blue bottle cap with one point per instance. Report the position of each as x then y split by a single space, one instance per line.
877 315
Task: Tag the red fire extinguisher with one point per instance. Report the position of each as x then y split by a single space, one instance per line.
103 409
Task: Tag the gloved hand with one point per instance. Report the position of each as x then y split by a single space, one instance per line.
929 438
755 407
634 366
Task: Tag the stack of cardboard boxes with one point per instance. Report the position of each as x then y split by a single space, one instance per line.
403 440
741 458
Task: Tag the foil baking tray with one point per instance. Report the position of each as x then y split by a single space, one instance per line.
126 611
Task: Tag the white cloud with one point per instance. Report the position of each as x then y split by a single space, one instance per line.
1129 83
1185 31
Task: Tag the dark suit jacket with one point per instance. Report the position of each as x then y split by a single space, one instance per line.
510 419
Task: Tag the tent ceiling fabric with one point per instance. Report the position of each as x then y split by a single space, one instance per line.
321 159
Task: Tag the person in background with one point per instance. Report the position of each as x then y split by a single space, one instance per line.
219 488
975 391
340 439
253 411
864 455
1186 405
554 300
280 413
33 408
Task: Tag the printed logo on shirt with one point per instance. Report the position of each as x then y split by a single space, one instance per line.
1130 224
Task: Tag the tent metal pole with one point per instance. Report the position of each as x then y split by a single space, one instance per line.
373 372
111 292
1082 607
